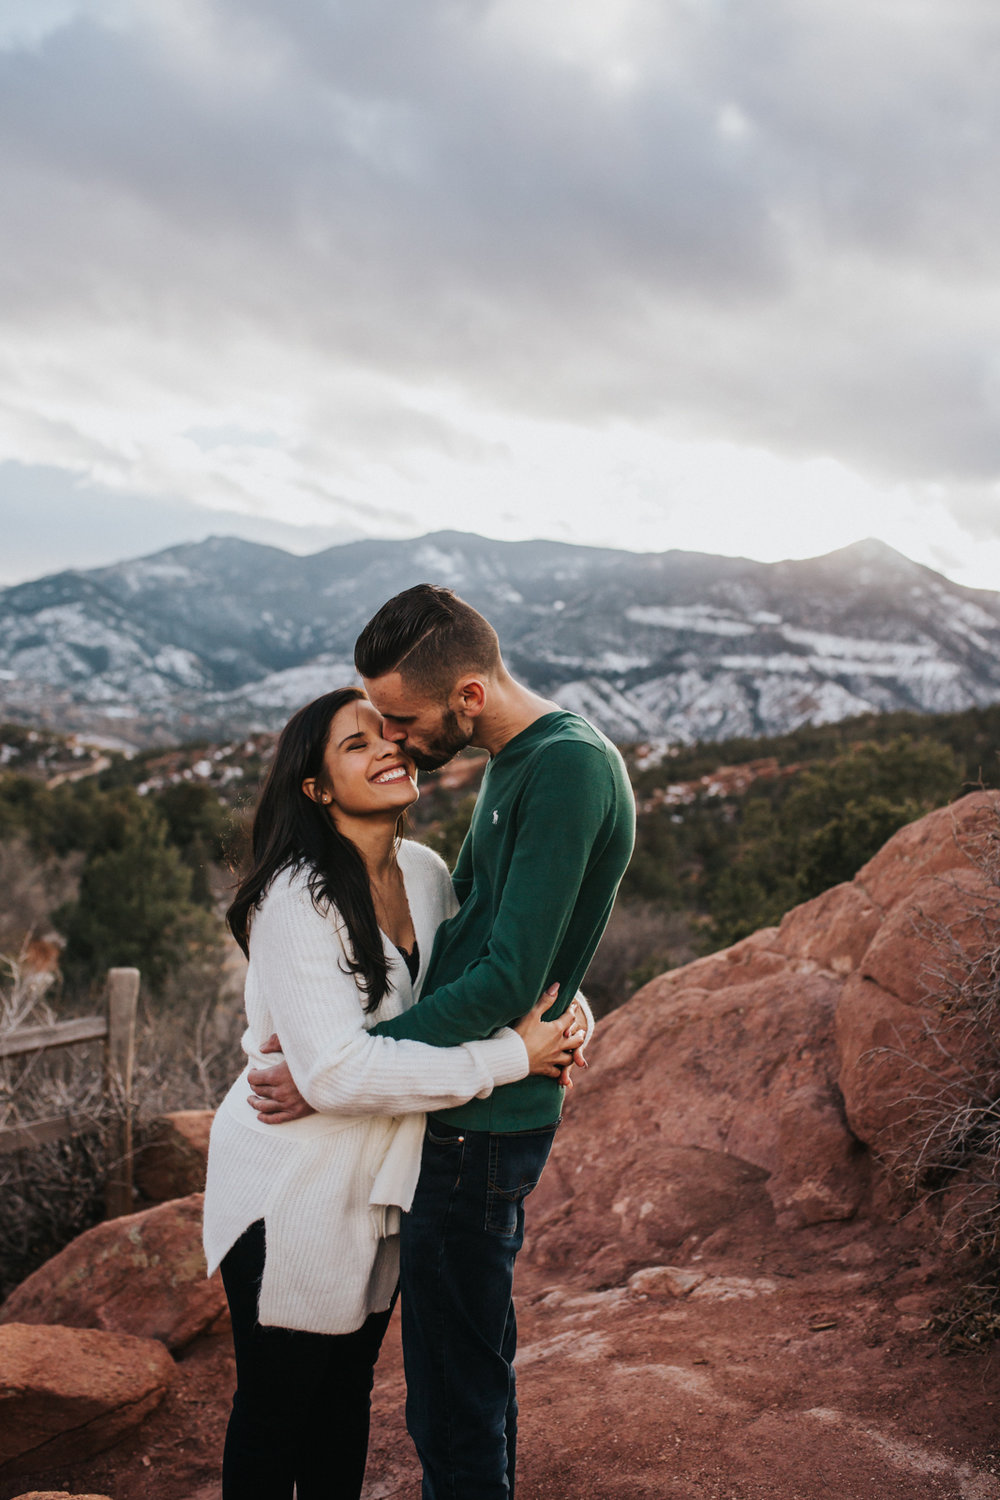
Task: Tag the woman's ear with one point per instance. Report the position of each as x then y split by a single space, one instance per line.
314 794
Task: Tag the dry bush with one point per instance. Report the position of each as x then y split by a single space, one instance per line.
52 1192
951 1157
188 1046
187 1053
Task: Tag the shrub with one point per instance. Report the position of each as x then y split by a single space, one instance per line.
187 1054
951 1159
134 905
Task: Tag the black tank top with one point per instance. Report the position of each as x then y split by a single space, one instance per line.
411 959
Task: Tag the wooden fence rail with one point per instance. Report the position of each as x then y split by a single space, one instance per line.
117 1030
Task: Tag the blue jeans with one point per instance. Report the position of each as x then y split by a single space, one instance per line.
459 1243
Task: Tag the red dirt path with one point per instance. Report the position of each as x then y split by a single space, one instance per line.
798 1370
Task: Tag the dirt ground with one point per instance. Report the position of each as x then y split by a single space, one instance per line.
800 1369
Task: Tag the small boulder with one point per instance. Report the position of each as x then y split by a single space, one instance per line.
823 1170
171 1163
664 1281
143 1274
67 1393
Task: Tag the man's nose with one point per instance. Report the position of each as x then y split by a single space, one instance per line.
394 733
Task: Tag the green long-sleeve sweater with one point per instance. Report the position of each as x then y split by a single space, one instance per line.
536 877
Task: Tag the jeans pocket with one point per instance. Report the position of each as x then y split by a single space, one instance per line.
516 1163
442 1162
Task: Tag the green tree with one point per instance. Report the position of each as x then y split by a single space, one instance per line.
797 840
198 825
837 851
134 905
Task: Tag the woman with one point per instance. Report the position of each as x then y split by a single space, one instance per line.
337 918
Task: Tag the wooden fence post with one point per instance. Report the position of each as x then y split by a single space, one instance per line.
119 1054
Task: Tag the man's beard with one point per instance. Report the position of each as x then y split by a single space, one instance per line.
448 741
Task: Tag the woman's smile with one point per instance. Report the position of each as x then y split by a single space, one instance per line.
393 773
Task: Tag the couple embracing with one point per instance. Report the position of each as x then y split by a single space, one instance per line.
393 1142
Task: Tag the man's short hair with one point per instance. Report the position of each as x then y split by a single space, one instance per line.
430 637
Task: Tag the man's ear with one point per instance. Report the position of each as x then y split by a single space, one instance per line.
468 697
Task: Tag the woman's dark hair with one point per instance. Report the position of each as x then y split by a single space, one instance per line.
291 832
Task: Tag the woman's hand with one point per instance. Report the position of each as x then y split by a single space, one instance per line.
551 1045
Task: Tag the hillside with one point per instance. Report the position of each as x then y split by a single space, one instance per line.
730 834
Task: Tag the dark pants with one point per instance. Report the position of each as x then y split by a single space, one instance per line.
301 1410
459 1243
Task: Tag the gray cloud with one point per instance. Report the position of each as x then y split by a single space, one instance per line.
776 222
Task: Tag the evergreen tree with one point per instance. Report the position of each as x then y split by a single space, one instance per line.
134 905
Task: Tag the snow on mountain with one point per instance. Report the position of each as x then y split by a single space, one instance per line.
667 647
288 690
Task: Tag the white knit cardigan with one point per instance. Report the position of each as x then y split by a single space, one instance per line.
329 1187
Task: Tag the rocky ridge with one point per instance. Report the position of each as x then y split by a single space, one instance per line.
228 637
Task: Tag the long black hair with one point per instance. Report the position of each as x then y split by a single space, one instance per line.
291 832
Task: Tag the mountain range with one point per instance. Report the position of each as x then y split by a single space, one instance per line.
225 636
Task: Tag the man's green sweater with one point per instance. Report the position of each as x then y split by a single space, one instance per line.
536 878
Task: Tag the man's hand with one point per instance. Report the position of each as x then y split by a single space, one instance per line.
579 1061
275 1097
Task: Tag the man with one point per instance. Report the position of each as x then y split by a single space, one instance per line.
536 878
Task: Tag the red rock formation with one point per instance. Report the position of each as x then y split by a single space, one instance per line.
67 1393
767 1055
143 1274
172 1161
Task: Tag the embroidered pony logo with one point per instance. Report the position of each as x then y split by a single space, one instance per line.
496 817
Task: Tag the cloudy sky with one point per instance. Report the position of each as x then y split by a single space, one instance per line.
713 274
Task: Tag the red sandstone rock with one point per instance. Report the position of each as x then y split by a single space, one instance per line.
739 1361
944 840
143 1274
172 1161
823 1173
645 1201
669 1281
885 1054
899 1045
753 957
938 920
690 1091
58 1495
833 930
67 1393
738 1054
